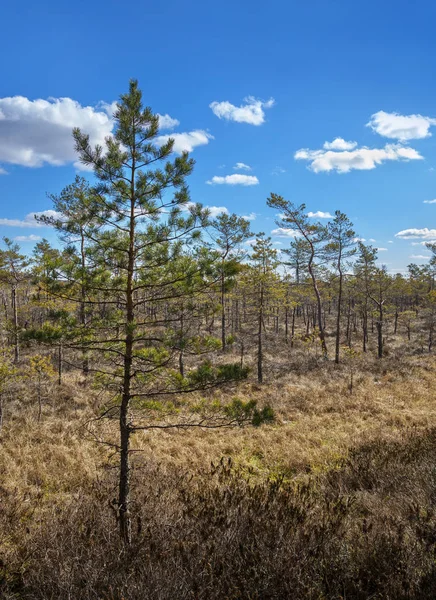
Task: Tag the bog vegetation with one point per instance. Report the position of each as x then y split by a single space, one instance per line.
187 412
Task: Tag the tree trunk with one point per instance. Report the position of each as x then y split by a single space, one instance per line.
259 340
125 522
379 325
223 312
338 314
15 313
60 365
319 309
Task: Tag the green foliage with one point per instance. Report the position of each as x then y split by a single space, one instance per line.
244 412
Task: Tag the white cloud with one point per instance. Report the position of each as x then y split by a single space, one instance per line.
319 214
358 239
390 242
251 217
410 234
29 220
235 179
429 201
251 112
214 211
360 159
3 171
217 210
382 249
420 256
27 238
401 127
339 144
187 141
34 133
278 171
167 122
251 242
240 166
285 232
372 240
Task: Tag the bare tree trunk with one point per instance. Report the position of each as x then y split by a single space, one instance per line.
319 308
60 365
223 312
338 314
379 326
259 340
15 313
125 522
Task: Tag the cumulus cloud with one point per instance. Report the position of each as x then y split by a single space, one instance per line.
30 220
360 159
382 249
410 234
319 214
339 144
187 141
401 127
251 112
251 217
167 122
217 210
235 179
429 201
34 133
27 238
285 232
420 256
240 166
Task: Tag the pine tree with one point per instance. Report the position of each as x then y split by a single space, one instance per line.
143 260
340 248
313 238
264 260
231 232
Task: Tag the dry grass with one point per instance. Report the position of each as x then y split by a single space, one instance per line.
55 478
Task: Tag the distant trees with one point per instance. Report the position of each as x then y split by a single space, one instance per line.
313 237
341 248
13 272
231 231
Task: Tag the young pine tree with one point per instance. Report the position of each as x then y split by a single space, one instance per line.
141 260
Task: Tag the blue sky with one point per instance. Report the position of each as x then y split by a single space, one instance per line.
331 67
